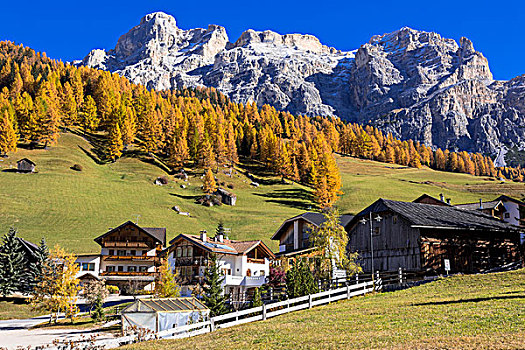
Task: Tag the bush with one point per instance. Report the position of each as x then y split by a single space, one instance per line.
113 289
77 167
163 180
230 186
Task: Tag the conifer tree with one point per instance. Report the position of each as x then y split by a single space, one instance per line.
209 185
88 114
300 280
36 268
213 293
13 265
8 136
115 144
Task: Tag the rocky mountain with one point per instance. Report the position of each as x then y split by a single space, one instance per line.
412 83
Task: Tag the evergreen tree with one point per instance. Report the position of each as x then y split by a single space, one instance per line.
98 314
36 268
300 280
257 299
13 265
214 297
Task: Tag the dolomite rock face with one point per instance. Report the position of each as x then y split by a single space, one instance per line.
412 83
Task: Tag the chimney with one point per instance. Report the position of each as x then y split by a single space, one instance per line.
203 235
480 203
441 197
448 200
220 238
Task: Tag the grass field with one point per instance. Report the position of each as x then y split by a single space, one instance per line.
71 208
460 312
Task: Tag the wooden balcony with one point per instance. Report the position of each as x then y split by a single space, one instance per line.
194 261
109 244
131 258
255 261
127 273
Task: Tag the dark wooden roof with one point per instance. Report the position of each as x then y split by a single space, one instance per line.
435 216
505 198
431 199
157 233
315 219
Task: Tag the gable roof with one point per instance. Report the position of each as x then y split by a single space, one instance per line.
505 198
165 305
157 233
476 206
315 219
433 199
226 247
436 216
26 160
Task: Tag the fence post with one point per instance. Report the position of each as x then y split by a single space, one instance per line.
271 293
329 295
400 276
212 325
264 312
377 274
347 291
356 278
310 301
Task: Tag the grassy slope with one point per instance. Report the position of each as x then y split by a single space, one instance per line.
475 311
71 208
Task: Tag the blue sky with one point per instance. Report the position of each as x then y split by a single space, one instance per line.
68 30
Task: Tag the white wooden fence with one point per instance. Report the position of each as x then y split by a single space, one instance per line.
235 318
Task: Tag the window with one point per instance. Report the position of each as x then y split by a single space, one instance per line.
507 215
121 252
88 266
261 273
184 251
143 268
111 252
248 272
190 251
132 252
132 269
179 252
377 231
226 272
110 268
121 269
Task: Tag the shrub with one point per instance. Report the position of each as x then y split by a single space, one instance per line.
112 289
163 180
77 167
230 186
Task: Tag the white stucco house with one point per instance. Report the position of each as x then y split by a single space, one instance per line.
244 264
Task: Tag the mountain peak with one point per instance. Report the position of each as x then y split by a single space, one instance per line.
159 17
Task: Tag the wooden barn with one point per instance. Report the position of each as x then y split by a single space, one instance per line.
25 165
419 237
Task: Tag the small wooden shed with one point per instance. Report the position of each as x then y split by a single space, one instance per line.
25 165
162 314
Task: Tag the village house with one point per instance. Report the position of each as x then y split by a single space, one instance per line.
129 257
294 234
25 165
245 264
419 237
